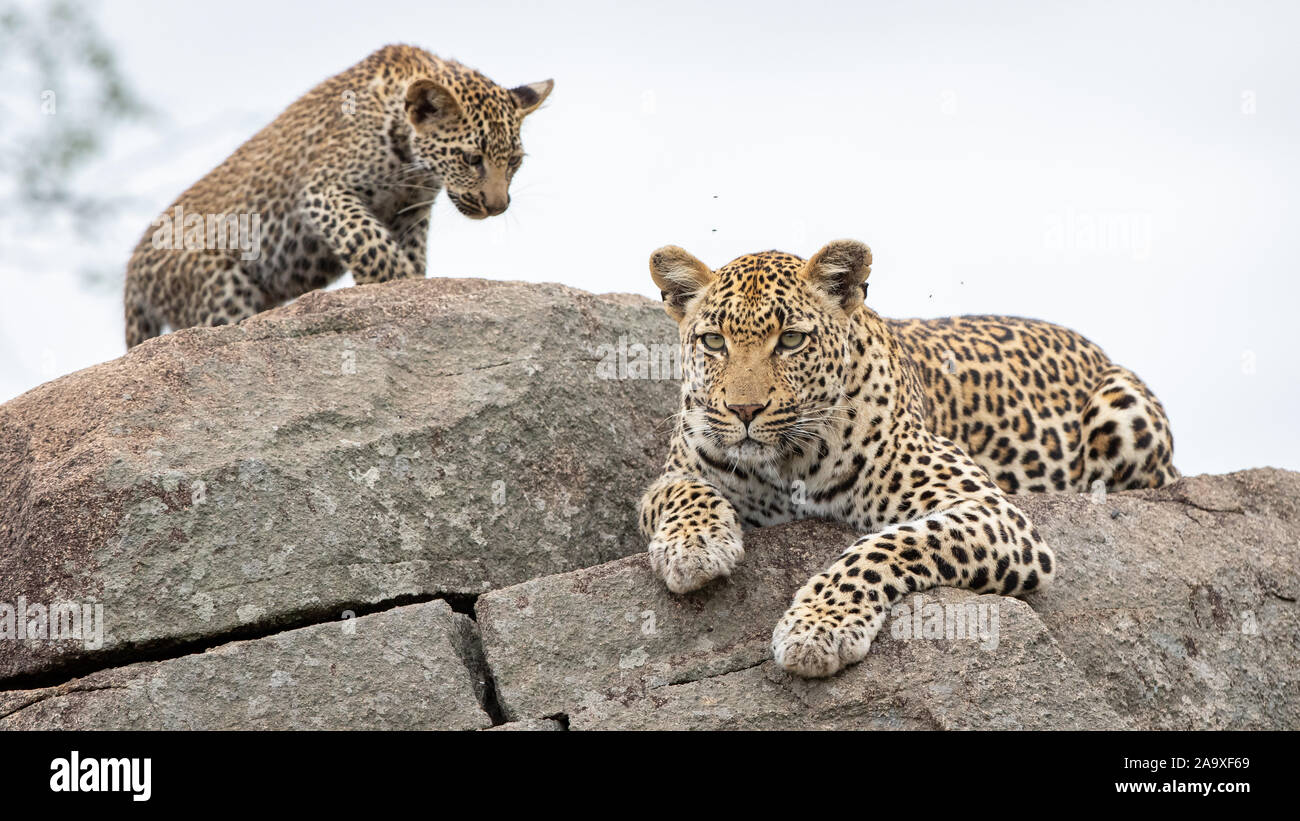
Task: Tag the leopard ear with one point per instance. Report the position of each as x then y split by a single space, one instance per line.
530 97
680 277
840 271
430 105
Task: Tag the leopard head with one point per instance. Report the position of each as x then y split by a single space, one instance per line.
465 131
766 343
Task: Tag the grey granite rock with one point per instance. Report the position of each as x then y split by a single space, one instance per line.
1179 604
1174 608
610 647
357 446
409 668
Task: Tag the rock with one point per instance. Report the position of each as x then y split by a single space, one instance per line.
1179 604
1159 618
358 446
610 647
409 668
617 629
530 725
1021 682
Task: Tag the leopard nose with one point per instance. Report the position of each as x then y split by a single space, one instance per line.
745 412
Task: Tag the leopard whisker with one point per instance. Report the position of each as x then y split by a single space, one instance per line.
414 206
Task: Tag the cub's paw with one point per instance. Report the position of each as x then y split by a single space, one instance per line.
817 639
689 559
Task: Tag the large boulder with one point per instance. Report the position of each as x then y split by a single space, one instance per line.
358 447
610 647
1173 609
1179 604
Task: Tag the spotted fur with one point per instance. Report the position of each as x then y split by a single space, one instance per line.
343 180
913 432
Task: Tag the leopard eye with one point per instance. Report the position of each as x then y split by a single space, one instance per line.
515 162
791 340
473 160
713 342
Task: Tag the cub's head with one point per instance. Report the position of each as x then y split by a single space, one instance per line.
465 129
767 344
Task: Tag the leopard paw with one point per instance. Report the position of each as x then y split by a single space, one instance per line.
815 640
688 560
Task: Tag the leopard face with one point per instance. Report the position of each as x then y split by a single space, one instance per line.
466 134
767 350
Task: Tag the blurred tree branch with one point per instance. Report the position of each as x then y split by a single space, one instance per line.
62 98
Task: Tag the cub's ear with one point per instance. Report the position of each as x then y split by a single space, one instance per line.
530 97
840 271
680 278
429 105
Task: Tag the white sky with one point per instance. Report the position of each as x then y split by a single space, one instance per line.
974 147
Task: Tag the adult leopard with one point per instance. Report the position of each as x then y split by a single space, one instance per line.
799 401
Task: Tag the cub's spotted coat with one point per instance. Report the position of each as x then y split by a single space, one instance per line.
343 180
799 401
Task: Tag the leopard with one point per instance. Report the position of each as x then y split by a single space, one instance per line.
344 179
799 401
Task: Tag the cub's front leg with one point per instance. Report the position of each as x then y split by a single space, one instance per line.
411 232
361 242
695 535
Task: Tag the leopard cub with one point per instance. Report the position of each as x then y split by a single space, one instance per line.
343 180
